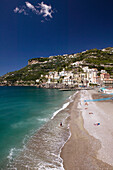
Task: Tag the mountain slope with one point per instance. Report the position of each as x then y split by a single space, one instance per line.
100 59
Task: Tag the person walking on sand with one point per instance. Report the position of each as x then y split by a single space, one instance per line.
61 124
86 103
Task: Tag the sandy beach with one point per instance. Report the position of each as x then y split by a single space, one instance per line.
90 146
79 144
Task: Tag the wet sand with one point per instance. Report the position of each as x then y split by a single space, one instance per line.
81 152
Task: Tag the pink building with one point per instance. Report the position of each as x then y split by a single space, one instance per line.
104 76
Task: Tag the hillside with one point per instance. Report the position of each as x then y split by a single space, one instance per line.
94 58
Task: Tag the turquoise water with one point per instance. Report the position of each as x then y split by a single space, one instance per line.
23 110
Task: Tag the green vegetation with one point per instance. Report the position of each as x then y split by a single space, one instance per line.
41 59
93 58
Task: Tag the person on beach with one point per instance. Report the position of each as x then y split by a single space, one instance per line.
61 124
86 103
90 112
96 124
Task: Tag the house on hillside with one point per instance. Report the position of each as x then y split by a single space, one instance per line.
63 73
77 63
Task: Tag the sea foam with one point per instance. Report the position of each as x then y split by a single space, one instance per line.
50 136
64 105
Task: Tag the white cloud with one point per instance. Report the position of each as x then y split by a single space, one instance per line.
21 10
16 9
46 10
42 9
30 6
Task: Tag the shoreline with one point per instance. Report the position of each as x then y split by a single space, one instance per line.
82 148
43 142
79 149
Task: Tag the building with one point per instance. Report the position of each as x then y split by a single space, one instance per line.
104 76
108 82
92 76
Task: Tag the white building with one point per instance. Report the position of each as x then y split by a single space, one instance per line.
85 69
68 79
37 81
63 73
92 75
103 71
77 63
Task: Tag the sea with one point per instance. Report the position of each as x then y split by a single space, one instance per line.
30 133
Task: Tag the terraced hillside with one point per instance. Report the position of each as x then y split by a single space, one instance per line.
94 58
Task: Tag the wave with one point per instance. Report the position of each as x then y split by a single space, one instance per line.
47 143
64 105
13 152
42 119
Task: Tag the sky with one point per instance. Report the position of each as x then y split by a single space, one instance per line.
42 28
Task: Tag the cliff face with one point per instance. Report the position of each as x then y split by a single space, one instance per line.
30 62
38 60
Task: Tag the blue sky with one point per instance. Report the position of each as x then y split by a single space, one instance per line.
36 28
